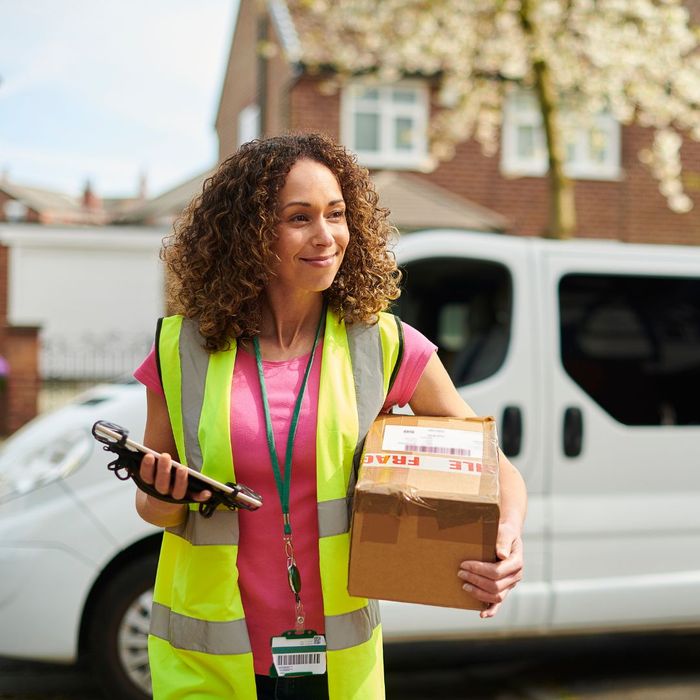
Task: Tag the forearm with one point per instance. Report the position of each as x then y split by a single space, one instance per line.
159 436
157 512
513 494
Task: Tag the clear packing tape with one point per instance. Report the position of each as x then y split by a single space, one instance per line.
446 461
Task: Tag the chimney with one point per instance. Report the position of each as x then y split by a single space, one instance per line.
91 201
143 186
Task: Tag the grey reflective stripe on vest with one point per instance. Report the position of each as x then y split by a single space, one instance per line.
220 529
351 629
194 361
333 517
365 345
191 634
367 359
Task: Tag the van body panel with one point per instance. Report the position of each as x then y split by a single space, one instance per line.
624 518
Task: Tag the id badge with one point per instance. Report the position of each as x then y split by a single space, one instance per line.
298 654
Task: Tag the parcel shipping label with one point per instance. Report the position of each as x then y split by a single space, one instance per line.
433 440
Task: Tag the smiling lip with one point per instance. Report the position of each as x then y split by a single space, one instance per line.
320 261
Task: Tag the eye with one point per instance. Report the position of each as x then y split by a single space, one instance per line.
337 214
298 218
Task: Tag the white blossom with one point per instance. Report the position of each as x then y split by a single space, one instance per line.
663 159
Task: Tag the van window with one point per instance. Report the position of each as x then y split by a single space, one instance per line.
633 345
464 307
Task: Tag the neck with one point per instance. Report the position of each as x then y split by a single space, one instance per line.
289 325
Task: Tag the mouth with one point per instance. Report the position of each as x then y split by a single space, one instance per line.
321 260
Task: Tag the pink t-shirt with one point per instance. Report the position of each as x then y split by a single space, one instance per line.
262 564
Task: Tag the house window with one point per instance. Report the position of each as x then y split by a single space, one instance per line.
15 211
248 124
387 125
591 152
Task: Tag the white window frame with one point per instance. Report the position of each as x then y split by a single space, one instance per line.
522 111
417 158
15 210
248 124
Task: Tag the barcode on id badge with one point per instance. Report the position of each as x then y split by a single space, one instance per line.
289 659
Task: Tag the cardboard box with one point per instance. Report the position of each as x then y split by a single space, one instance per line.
426 499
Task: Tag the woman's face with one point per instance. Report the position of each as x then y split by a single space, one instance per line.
312 233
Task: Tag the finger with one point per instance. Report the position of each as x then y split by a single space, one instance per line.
504 547
163 470
490 611
495 571
179 485
147 468
485 596
489 585
201 496
506 541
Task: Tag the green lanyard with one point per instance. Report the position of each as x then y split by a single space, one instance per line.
283 484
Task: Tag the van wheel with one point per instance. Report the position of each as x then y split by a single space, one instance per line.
118 631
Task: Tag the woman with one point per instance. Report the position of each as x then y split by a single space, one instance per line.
281 272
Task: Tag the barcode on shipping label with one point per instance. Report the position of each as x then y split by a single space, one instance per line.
437 441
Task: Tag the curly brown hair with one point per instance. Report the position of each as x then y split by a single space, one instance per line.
219 254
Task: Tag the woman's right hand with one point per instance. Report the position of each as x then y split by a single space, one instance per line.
162 474
169 480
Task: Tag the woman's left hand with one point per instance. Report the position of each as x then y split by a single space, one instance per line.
491 582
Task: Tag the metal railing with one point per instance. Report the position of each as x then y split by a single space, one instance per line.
69 366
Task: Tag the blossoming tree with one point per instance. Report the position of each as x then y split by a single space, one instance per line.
635 59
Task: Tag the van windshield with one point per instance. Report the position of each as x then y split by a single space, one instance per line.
464 306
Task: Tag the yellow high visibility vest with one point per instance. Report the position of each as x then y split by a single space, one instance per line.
198 645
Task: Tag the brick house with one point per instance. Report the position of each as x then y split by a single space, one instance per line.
269 91
19 348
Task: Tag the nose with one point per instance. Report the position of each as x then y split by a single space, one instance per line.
323 235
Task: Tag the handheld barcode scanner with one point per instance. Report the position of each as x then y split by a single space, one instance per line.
126 466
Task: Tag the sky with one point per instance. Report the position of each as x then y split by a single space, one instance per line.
104 90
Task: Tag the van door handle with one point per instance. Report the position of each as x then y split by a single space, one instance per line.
511 431
573 431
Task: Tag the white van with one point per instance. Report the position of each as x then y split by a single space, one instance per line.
587 352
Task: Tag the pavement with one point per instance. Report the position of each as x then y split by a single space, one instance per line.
641 667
